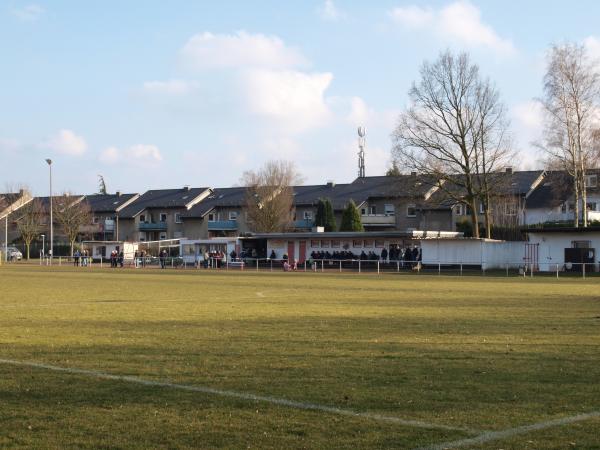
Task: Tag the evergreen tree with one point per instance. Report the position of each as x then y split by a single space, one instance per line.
320 216
351 218
101 185
330 224
394 170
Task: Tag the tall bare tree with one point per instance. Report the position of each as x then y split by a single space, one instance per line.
270 196
454 131
571 95
29 222
71 213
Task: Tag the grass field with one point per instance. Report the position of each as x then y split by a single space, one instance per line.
424 361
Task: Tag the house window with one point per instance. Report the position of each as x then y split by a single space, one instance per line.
368 244
356 244
591 206
389 210
211 217
95 219
163 217
563 208
233 215
372 209
177 217
363 211
142 217
314 244
379 244
458 210
481 208
411 211
581 244
163 236
307 215
591 181
335 244
324 244
511 209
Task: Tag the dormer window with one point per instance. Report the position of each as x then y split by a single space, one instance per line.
591 181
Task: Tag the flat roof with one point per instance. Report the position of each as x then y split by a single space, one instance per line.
594 229
412 234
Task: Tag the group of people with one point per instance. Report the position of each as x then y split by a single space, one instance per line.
81 258
117 258
395 253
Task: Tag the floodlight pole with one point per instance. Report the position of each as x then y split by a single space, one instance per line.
51 250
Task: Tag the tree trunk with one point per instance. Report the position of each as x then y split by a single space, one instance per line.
488 219
583 196
72 244
27 244
576 205
474 218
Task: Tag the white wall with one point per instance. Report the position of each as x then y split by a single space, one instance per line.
552 246
489 254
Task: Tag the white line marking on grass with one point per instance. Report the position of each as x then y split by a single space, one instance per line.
240 395
510 432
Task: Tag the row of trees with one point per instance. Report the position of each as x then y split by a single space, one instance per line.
70 214
455 131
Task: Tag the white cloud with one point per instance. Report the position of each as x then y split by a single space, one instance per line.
66 142
295 100
140 155
170 87
529 114
360 113
413 16
29 13
592 45
328 11
221 51
459 21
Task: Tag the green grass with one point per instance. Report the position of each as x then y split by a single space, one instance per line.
479 353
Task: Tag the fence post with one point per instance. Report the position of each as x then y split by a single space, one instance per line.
531 270
257 264
397 266
305 265
583 271
271 265
60 260
506 269
439 268
322 265
340 265
557 271
359 266
461 269
377 266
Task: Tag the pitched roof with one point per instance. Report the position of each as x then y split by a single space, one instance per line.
108 202
223 197
164 198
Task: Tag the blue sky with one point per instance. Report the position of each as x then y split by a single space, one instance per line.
155 94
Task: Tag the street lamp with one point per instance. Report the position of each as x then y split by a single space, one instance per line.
51 250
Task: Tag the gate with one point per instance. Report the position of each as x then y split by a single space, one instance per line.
531 255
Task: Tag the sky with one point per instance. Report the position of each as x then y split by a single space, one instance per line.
152 94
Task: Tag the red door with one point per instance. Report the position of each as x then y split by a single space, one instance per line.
302 255
291 253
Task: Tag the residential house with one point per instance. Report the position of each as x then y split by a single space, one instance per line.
553 199
158 214
105 209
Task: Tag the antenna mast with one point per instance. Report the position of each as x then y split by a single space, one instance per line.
361 152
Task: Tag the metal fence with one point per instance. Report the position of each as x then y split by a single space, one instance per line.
465 268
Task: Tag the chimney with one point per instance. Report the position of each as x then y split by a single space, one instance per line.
118 193
508 170
331 184
414 174
186 187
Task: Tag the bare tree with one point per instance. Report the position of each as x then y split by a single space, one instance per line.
29 222
571 93
270 196
71 213
454 131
